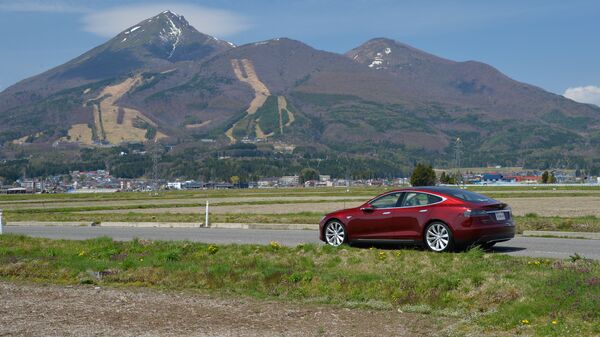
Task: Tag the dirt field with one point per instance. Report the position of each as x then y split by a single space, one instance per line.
41 310
555 206
548 206
322 207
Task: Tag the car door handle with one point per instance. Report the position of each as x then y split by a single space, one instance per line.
423 211
387 213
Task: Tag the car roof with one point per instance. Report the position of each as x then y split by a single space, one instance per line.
433 189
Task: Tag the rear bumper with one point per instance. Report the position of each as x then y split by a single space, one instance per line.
483 234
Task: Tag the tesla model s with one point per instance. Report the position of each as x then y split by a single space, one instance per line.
440 218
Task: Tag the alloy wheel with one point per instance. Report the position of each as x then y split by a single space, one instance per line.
335 234
437 237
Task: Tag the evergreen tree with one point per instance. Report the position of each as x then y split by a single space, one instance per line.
423 175
308 174
545 177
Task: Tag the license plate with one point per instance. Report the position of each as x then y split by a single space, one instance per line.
500 216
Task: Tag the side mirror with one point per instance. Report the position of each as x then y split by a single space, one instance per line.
367 209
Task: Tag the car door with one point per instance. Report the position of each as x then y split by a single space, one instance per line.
413 211
375 220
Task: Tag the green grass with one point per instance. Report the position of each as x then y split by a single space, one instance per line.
288 218
535 222
488 294
37 209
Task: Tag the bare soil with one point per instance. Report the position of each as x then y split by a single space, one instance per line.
51 310
546 206
322 207
555 206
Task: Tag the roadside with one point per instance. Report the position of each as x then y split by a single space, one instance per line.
52 310
472 293
259 226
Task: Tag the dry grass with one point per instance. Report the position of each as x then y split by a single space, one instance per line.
248 75
244 71
81 133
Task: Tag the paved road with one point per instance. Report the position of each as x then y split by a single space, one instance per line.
521 246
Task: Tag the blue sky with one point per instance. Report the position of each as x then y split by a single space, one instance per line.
551 44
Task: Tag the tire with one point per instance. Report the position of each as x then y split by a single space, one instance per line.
438 237
335 233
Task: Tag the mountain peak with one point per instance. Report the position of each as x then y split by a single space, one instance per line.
384 53
168 36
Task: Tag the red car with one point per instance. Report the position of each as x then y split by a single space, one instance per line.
441 218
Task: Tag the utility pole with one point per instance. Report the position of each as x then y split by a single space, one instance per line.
155 159
458 160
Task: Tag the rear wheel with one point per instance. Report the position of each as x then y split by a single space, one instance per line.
438 237
335 233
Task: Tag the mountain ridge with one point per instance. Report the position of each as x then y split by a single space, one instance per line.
175 83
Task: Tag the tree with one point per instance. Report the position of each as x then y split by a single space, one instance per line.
443 178
423 175
308 174
235 180
545 177
552 179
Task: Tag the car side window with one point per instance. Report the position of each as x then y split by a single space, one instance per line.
419 199
386 201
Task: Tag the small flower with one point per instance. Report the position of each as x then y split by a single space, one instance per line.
141 260
212 249
81 253
524 321
381 256
398 254
554 322
275 245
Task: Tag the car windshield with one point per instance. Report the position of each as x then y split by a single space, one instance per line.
468 195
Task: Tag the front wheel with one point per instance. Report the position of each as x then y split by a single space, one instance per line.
438 237
335 233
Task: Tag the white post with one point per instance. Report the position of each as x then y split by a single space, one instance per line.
1 222
206 215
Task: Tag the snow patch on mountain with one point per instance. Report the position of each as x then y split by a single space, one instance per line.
377 62
173 35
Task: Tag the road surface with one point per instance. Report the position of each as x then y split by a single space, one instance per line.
519 246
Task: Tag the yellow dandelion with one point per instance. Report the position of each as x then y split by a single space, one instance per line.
525 321
554 322
81 253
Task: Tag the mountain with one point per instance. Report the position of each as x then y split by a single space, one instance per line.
163 80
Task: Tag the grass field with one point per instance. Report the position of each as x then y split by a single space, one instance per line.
565 208
485 294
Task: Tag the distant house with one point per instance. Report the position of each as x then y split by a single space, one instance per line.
288 181
528 179
267 182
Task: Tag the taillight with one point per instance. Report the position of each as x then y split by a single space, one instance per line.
474 213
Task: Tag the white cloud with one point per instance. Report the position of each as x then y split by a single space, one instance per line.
216 22
589 94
